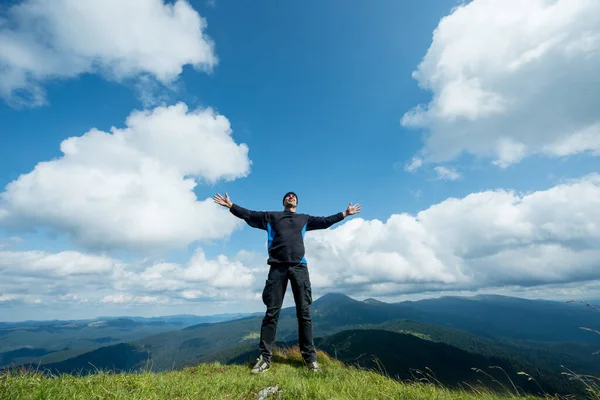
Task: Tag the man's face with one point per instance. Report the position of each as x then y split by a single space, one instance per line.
291 200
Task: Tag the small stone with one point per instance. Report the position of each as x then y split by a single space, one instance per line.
263 394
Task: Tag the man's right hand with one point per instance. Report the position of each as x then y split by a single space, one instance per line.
223 201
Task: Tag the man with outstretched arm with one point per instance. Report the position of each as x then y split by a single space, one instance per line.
285 233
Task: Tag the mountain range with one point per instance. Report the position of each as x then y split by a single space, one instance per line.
451 339
51 341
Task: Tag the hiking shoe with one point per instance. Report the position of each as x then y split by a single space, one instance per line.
314 367
261 365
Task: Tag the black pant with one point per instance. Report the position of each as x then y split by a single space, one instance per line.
273 298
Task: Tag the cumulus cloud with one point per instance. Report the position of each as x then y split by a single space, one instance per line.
76 278
133 188
511 79
117 39
497 241
485 240
199 278
38 277
59 264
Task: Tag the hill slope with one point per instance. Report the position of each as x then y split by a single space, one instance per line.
578 357
496 316
406 356
214 381
123 357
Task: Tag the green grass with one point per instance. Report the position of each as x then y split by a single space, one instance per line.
417 334
215 381
251 335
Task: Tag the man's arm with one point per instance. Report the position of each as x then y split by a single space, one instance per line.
315 223
256 219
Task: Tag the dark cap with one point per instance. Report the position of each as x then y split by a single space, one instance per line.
283 201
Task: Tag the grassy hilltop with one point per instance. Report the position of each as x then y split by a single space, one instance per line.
216 381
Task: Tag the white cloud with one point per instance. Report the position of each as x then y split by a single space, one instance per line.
447 174
59 264
122 298
74 278
560 292
494 241
117 39
200 276
220 273
132 188
485 240
511 79
14 298
414 164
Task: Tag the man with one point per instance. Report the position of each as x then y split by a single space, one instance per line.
285 233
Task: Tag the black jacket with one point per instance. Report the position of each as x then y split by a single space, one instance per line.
285 231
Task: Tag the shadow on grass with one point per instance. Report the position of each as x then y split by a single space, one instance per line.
289 361
290 356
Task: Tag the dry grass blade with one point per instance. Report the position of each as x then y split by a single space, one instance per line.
583 302
589 330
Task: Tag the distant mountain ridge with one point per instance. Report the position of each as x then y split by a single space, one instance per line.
514 318
182 318
54 341
468 324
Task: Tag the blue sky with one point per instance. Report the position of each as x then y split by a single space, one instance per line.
501 199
